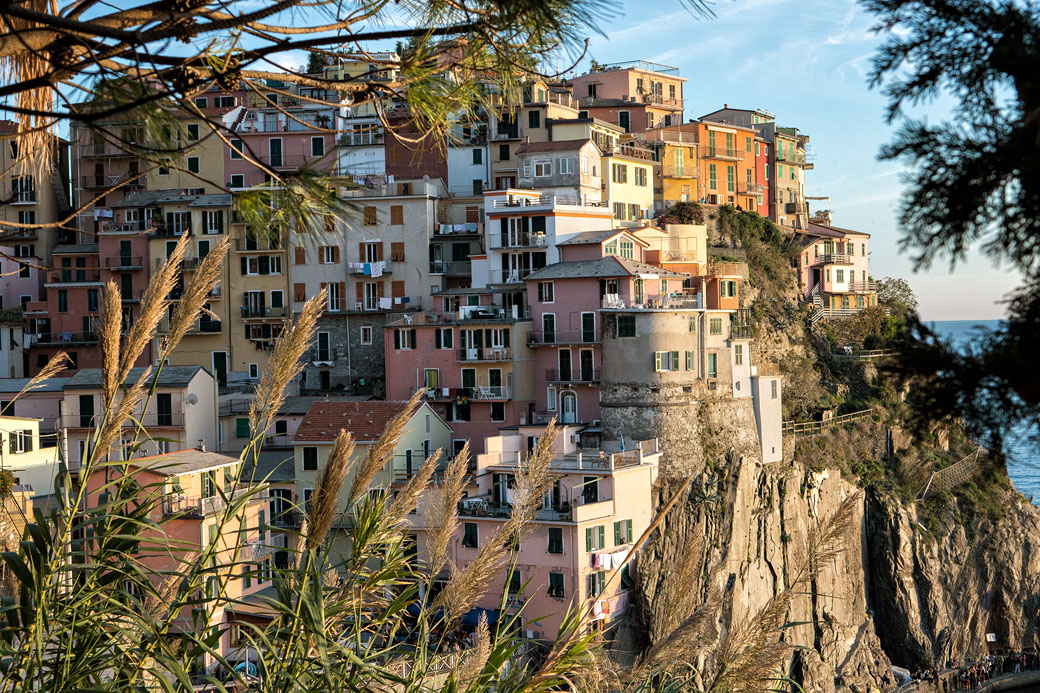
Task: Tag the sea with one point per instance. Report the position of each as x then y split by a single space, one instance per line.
1022 455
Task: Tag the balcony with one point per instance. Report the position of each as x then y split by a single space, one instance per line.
125 262
662 101
863 287
161 229
833 259
576 375
258 245
105 151
188 507
796 208
477 354
131 296
197 327
787 157
556 337
746 188
75 275
264 312
471 229
670 169
458 268
630 151
514 276
725 153
503 134
111 181
19 234
479 393
187 262
546 201
62 338
360 267
500 241
151 419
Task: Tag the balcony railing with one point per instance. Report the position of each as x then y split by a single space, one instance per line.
539 337
746 188
478 392
264 312
246 245
833 259
575 375
786 156
125 262
46 338
453 268
108 181
76 275
728 153
472 228
360 267
687 169
161 229
105 150
486 354
546 200
863 286
514 276
630 151
664 101
131 295
197 327
152 419
521 240
195 507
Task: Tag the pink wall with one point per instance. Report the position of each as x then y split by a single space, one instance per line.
860 260
14 286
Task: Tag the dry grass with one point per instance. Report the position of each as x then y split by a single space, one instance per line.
325 501
284 365
445 508
473 662
196 292
108 334
382 451
406 501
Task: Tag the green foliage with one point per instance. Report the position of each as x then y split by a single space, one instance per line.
6 482
682 213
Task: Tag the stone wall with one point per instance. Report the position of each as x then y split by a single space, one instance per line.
356 368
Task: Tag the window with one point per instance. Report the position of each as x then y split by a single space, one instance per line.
63 301
224 102
238 180
713 362
619 173
21 441
626 248
594 584
666 361
236 149
310 459
839 275
366 335
633 214
863 249
431 378
622 532
626 326
715 326
619 210
92 300
469 535
545 292
534 119
498 411
444 338
793 176
595 537
624 119
193 164
317 146
515 582
566 165
555 540
556 590
478 156
543 168
738 354
774 389
370 216
404 338
712 177
241 428
254 371
503 152
780 171
329 254
201 102
641 177
193 132
209 485
730 179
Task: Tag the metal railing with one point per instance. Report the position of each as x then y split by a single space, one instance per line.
815 428
359 268
864 354
109 181
125 262
44 338
76 275
863 286
249 311
178 505
723 153
521 240
687 169
257 244
452 268
952 476
537 337
630 151
164 230
197 327
151 419
486 354
574 375
550 200
833 258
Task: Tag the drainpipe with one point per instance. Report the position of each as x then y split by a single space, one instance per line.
350 376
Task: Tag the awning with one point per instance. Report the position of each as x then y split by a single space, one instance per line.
472 617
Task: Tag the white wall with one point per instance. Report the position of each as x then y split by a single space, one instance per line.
741 372
769 416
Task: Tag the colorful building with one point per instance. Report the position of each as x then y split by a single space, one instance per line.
834 269
636 96
600 503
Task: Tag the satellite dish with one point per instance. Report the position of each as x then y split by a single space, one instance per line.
192 399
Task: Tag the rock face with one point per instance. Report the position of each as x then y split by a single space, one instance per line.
749 525
937 595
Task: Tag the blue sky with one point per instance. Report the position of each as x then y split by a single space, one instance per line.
807 61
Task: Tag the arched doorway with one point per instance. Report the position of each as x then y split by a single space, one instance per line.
568 407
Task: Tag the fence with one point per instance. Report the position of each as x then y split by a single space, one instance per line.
951 477
864 354
815 428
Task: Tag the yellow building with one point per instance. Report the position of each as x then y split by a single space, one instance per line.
679 171
628 184
31 201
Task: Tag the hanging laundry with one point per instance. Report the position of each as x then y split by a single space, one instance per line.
377 269
386 303
367 269
406 299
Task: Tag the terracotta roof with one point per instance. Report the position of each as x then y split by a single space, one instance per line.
365 420
556 146
610 266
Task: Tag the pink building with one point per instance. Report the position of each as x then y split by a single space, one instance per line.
834 268
194 487
23 280
600 504
470 356
599 270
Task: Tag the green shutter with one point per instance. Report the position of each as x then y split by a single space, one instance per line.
617 533
675 360
657 360
588 538
241 428
602 536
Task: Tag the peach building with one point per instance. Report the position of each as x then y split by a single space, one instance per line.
190 490
600 503
834 268
637 95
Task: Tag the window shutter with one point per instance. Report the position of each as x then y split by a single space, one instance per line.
264 264
330 223
299 292
397 339
602 536
411 337
361 252
360 292
437 339
301 255
12 438
335 254
396 215
397 289
343 293
588 538
379 251
379 290
28 440
505 336
323 285
370 216
657 360
617 534
243 266
397 252
675 360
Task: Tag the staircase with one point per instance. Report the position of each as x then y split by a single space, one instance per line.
817 306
